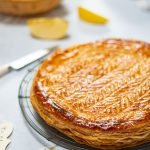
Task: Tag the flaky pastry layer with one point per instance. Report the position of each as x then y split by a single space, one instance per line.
97 93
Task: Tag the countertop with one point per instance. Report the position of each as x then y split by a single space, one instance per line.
127 20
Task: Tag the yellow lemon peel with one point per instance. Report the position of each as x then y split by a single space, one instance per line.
90 16
46 28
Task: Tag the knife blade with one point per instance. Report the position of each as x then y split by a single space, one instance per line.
26 60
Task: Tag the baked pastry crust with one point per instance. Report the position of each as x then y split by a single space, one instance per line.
97 93
27 7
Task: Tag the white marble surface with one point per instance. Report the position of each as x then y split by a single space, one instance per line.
126 21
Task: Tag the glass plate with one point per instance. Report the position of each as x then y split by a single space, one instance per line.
36 122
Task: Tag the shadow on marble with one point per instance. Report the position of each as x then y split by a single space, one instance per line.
60 39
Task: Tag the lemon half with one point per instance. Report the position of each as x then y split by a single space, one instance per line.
46 28
91 17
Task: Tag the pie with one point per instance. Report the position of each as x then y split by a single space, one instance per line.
97 93
27 7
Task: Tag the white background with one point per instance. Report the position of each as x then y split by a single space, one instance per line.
126 21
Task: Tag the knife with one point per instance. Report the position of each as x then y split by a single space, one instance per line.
24 61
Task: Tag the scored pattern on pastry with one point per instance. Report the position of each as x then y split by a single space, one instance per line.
101 88
99 79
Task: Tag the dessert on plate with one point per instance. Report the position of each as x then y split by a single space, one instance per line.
97 93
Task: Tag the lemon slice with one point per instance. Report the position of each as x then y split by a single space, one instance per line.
91 17
46 28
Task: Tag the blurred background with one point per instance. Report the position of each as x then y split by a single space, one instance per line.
128 19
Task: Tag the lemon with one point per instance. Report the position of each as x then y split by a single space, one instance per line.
46 28
91 17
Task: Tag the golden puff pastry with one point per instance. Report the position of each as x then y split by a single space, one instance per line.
97 93
27 7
